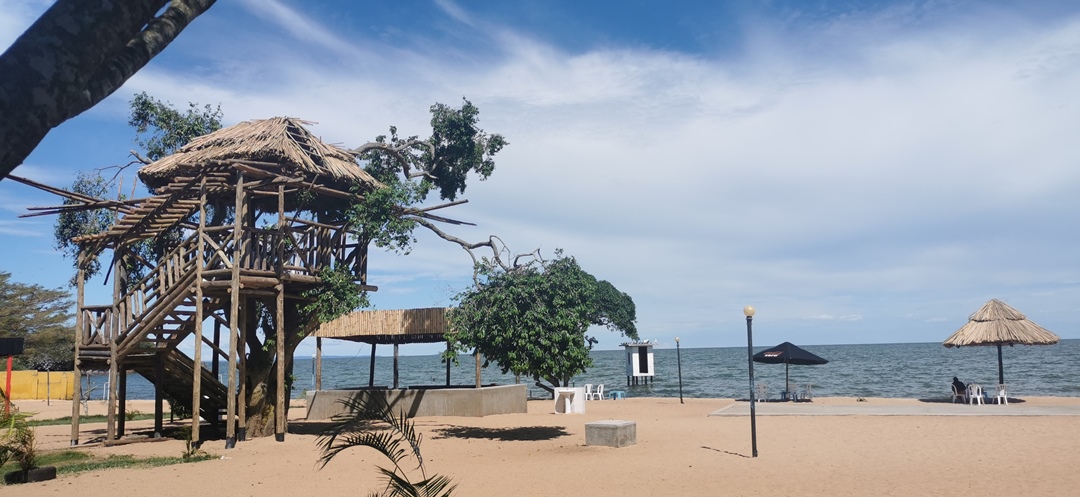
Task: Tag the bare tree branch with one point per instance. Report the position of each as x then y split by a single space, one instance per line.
399 153
497 246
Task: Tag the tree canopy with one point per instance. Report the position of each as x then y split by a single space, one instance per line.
533 319
42 317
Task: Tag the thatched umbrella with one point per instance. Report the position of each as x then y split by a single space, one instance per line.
998 324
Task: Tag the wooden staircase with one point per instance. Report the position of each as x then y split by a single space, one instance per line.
148 322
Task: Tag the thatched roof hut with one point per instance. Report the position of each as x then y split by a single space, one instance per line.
996 323
283 141
396 326
427 325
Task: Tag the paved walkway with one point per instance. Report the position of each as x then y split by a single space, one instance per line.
868 409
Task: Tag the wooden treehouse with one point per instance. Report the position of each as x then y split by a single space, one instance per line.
250 216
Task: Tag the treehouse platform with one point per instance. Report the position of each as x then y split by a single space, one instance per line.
241 229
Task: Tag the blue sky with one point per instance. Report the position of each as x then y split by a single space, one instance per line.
861 172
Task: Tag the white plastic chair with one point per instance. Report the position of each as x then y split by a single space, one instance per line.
1002 395
588 391
598 394
762 392
807 393
975 394
956 394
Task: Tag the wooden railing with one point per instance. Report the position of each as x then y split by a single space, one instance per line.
165 283
97 328
302 248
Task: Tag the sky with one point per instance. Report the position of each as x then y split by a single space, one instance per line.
859 172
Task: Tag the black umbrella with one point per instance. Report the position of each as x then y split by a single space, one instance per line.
788 354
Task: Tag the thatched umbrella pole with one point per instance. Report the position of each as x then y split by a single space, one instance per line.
1001 369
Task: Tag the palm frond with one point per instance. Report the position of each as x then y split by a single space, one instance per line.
357 428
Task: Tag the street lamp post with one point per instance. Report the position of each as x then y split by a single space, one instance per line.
678 359
749 312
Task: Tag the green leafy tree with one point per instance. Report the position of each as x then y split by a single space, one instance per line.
42 318
533 319
168 128
84 222
411 168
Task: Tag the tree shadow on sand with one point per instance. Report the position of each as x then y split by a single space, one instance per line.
524 433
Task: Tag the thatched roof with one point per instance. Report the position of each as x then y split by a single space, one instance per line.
998 324
278 140
426 325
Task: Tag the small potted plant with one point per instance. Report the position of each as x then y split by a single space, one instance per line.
17 443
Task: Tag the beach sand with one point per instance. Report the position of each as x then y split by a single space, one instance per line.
680 450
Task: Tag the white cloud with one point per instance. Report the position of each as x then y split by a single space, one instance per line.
859 166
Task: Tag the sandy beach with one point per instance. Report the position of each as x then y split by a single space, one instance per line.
680 450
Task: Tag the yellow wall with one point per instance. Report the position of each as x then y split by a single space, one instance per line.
29 385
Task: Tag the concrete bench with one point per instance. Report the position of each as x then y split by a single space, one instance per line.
611 433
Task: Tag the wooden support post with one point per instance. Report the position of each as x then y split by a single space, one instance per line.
215 368
80 323
159 394
282 398
110 418
234 310
113 333
318 363
448 365
196 367
247 319
371 370
395 365
121 401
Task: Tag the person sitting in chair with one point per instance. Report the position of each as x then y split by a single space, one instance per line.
959 389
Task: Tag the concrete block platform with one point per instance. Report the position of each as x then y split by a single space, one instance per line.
611 433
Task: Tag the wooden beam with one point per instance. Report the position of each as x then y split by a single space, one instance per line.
318 363
196 375
282 400
80 323
234 311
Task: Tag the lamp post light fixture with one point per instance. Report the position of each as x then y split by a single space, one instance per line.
678 359
748 311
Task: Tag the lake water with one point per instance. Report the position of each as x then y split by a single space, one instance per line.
909 370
